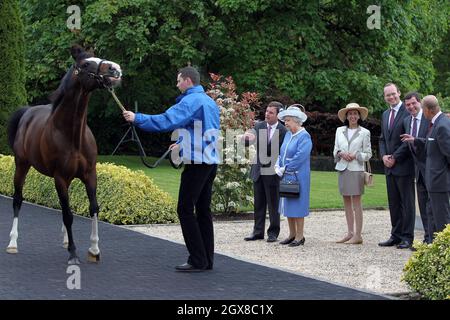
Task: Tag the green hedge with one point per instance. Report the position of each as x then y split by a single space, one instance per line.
12 65
124 196
428 269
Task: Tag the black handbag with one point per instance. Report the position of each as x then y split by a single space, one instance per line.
289 188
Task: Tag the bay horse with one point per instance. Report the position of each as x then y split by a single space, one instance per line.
56 141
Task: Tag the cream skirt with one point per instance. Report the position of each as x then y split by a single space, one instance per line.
351 183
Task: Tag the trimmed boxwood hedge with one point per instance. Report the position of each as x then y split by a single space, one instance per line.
428 269
124 196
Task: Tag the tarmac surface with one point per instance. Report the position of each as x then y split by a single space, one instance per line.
135 266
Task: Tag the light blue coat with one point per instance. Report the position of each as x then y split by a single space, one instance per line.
196 117
295 157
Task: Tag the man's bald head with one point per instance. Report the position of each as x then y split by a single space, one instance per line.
431 102
430 106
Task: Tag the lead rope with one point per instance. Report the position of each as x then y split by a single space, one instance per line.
141 149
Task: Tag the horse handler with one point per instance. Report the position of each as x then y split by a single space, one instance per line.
195 117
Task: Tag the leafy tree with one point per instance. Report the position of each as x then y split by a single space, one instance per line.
442 66
320 53
12 68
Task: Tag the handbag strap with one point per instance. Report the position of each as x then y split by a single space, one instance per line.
369 169
292 173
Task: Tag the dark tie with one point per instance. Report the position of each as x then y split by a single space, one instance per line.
430 127
268 133
391 119
414 127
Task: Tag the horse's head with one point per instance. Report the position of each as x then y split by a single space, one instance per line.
94 72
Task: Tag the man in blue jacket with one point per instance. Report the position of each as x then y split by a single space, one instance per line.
196 121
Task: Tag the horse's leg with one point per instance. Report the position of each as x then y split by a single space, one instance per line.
91 189
19 179
63 194
65 237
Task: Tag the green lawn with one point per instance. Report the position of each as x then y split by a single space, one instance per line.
167 178
325 192
324 189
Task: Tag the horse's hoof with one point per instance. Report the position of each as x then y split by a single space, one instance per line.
94 258
12 250
65 245
73 261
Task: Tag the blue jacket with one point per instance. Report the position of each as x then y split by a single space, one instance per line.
196 121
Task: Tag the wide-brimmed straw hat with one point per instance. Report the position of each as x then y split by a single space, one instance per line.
342 114
294 111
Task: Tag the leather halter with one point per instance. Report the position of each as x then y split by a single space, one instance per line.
102 80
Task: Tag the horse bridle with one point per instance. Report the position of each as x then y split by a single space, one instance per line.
101 79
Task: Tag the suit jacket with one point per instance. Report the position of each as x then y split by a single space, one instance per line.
390 143
261 161
418 154
358 144
437 148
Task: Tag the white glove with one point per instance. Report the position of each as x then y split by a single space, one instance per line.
279 171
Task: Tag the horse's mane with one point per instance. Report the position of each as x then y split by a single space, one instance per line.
57 96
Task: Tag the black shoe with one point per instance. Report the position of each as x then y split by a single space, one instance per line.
271 239
186 267
297 243
404 245
389 243
287 240
253 238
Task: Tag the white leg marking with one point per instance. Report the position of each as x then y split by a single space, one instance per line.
94 237
66 237
13 235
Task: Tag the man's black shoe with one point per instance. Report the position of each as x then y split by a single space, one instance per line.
186 267
253 238
404 245
389 243
271 239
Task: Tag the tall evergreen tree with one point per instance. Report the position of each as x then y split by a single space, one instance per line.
12 65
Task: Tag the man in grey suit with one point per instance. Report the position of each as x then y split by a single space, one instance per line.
417 126
436 145
399 171
268 136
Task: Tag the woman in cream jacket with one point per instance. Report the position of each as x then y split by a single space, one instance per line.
351 149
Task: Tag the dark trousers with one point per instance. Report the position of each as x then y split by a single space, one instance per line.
194 212
440 211
400 190
266 196
422 199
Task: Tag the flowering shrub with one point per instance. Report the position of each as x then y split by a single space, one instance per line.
233 188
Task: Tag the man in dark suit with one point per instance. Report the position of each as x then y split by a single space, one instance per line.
417 126
268 135
399 171
436 145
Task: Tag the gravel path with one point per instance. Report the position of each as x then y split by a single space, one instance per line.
365 266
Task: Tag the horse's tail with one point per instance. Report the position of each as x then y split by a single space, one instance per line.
13 124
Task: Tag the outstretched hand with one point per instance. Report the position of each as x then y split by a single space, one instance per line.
129 116
407 137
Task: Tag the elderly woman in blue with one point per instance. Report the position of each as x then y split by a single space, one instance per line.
294 158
